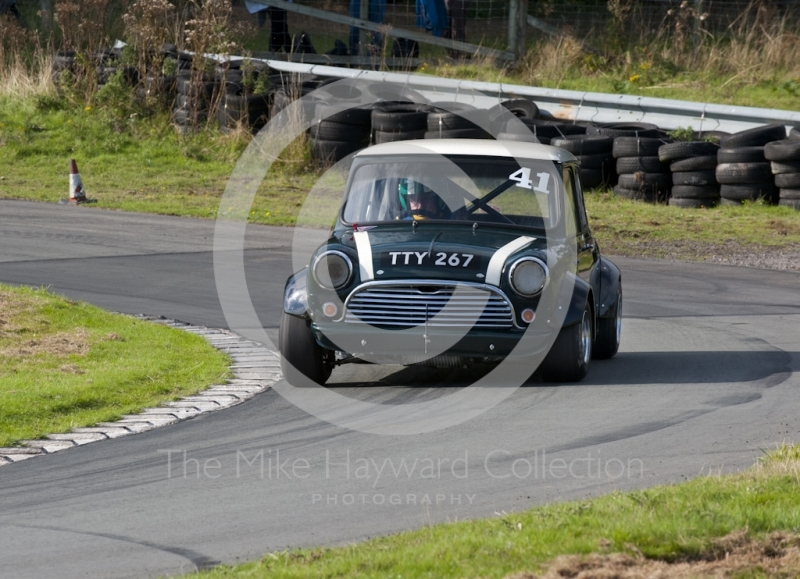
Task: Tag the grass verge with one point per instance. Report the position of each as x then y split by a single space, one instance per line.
66 364
745 525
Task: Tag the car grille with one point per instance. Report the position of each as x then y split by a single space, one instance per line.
440 305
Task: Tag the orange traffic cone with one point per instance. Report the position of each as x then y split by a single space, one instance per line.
77 194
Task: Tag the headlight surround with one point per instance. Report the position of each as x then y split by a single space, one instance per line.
528 276
332 269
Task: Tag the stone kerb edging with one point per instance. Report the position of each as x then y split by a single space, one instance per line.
254 369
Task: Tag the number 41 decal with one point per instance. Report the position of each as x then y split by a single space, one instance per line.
523 179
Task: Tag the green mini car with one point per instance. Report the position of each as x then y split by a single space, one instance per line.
448 253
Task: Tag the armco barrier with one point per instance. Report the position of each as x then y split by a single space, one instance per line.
568 104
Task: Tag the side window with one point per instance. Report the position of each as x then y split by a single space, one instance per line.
580 209
569 200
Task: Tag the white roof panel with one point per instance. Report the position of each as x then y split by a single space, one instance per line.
482 147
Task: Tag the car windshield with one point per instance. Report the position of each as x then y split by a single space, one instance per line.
499 190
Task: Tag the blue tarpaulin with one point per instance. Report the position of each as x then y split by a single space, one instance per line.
432 15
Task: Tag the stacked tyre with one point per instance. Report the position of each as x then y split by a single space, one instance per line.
784 157
692 165
287 88
742 168
641 174
456 121
237 106
614 130
537 130
399 122
63 68
240 109
340 133
193 100
594 155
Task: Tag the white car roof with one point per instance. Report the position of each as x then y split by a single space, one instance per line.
481 147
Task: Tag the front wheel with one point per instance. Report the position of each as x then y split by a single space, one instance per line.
609 332
302 359
568 359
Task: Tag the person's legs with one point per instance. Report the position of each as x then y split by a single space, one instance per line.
457 17
377 12
355 40
279 38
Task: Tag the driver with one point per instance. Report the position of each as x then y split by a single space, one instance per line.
418 202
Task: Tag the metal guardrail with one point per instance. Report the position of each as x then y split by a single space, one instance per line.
567 104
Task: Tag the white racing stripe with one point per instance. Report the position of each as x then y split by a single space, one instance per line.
501 255
364 249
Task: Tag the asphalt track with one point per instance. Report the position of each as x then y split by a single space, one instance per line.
706 379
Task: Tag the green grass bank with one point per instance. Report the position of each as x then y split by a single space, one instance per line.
741 525
66 364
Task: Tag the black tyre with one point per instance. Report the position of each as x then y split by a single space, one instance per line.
694 203
302 359
384 137
788 180
191 103
741 155
251 111
637 146
568 359
626 130
758 136
694 178
695 191
602 161
473 133
399 119
583 145
704 163
186 85
785 150
353 116
521 108
743 173
636 164
609 332
332 131
785 167
563 128
187 117
793 203
750 191
592 178
686 149
657 181
447 121
790 194
280 100
711 135
544 128
64 59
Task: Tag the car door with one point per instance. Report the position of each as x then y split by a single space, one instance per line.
585 242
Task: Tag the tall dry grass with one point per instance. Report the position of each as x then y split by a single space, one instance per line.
759 44
759 41
24 66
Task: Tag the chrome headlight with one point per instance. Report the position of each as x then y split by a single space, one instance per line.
528 276
332 269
